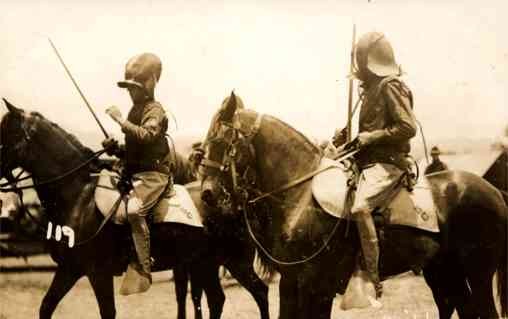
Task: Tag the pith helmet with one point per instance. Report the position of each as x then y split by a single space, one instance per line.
374 54
435 151
143 71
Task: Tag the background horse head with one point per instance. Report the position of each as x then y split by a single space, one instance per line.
59 166
312 250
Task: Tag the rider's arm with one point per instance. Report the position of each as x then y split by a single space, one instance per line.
402 123
151 124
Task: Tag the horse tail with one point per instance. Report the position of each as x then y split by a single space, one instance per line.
505 197
502 279
264 267
502 276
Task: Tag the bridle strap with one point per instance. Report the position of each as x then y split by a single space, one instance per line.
54 179
211 164
207 163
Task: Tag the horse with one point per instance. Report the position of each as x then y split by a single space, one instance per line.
254 160
60 167
184 174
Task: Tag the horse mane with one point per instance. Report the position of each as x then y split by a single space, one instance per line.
70 137
315 148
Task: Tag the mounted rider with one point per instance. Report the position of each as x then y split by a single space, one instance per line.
386 124
436 165
146 153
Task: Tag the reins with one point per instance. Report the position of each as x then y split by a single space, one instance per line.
51 180
46 230
222 167
303 178
281 262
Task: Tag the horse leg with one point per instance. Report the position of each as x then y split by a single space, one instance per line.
288 297
437 279
207 276
63 281
181 278
321 306
197 293
247 277
481 287
315 295
448 283
102 285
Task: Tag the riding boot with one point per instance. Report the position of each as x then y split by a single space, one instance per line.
370 249
141 237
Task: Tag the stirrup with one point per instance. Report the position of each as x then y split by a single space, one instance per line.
378 286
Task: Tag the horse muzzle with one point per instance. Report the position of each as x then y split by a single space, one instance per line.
208 195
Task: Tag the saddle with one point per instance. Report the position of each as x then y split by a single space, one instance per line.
414 209
175 205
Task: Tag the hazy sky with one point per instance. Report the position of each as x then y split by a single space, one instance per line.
285 58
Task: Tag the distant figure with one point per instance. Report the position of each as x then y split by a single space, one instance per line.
195 158
437 165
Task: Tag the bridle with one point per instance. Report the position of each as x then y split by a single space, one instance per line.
243 187
233 140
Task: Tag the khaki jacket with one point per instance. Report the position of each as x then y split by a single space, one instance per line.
146 147
387 111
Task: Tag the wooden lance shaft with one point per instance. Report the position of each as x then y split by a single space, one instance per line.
350 88
77 88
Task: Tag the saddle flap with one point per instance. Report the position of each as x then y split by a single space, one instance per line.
416 209
330 189
176 206
106 194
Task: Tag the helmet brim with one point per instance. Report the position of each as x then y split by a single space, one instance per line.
125 84
385 70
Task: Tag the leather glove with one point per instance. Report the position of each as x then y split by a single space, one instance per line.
340 137
115 113
367 138
111 146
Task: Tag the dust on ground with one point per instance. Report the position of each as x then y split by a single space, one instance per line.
405 296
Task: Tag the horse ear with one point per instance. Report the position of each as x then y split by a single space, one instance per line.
11 107
229 108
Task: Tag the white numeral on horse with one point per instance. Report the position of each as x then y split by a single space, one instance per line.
61 231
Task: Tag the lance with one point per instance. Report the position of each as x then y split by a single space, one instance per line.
350 87
77 88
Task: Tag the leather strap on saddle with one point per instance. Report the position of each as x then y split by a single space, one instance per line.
303 178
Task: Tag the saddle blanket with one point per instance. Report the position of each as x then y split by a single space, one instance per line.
174 207
414 209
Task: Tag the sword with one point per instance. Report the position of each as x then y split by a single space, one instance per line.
77 88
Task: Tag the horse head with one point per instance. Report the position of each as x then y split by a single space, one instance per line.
14 136
30 141
228 157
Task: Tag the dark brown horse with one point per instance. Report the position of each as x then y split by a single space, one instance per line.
31 142
248 155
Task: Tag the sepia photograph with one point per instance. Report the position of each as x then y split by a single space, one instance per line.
238 159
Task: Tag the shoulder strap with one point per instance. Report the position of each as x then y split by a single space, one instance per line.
404 89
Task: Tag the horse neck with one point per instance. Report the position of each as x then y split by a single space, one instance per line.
49 156
284 155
